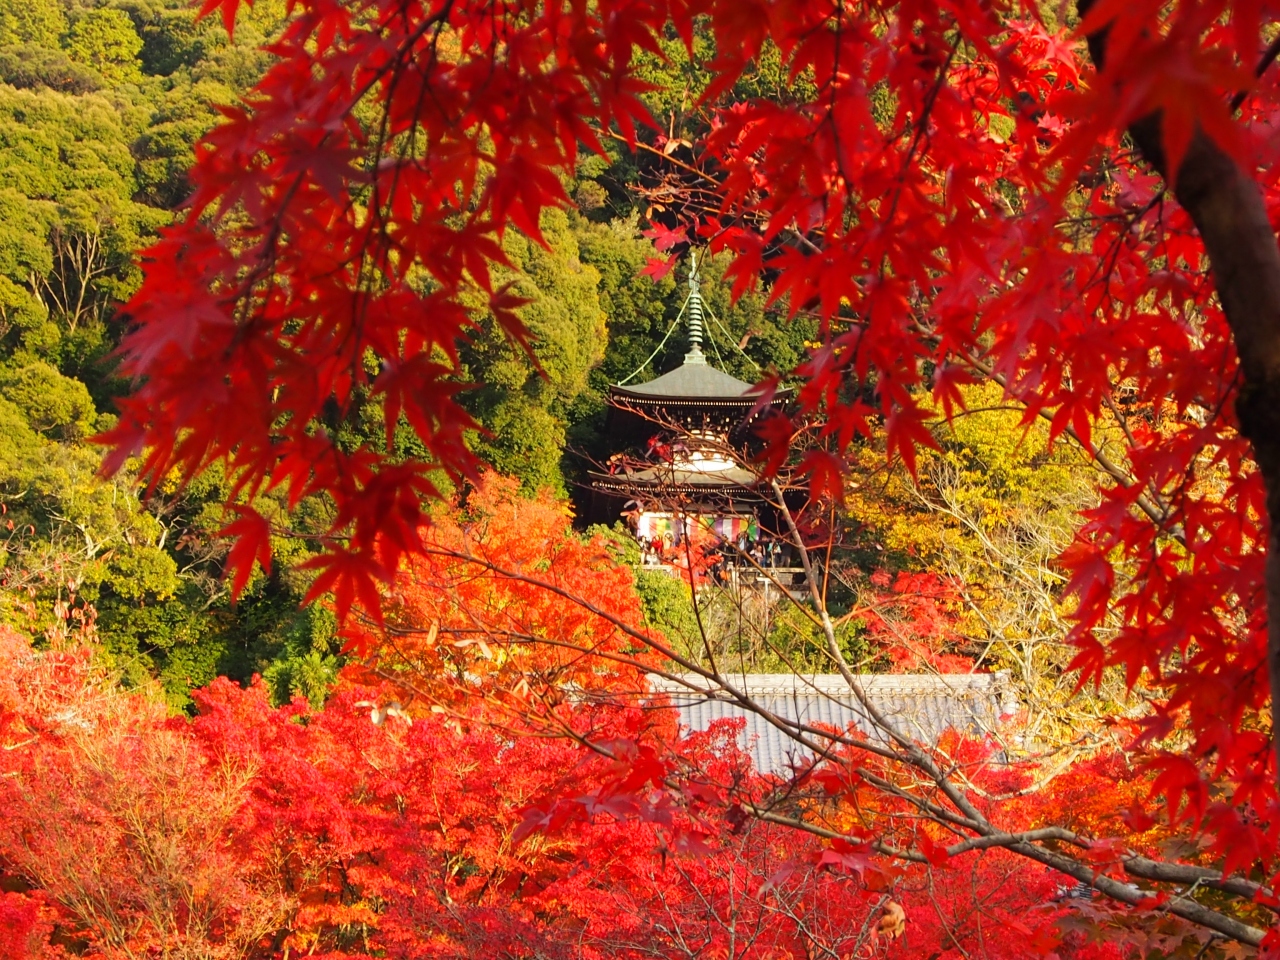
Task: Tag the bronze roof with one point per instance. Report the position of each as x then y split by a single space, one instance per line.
694 379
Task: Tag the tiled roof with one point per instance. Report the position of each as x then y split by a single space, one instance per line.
694 379
920 706
673 475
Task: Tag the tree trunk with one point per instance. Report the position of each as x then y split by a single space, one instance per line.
1227 207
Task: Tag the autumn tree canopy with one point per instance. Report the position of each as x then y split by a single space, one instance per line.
252 831
1077 212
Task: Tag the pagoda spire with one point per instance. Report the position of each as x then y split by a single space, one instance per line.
693 307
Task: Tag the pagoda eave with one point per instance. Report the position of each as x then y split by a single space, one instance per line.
737 403
623 485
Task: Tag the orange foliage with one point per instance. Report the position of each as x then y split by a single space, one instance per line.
506 594
319 833
113 811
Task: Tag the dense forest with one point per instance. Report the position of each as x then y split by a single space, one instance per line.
103 109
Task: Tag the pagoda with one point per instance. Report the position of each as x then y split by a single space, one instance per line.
681 459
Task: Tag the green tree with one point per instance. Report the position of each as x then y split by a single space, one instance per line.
30 66
86 175
38 22
523 400
106 40
52 404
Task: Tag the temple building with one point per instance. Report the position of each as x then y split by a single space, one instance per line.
681 461
920 707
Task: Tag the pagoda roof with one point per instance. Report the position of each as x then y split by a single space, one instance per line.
694 380
669 476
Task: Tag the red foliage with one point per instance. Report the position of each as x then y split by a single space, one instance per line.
111 810
936 238
25 926
502 589
321 832
912 619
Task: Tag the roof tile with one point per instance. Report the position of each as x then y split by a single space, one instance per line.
919 706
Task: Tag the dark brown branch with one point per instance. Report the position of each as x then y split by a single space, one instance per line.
1225 202
1183 907
1023 843
1268 58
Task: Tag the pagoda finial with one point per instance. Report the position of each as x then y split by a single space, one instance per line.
694 307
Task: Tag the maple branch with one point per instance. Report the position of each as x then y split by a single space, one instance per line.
1204 876
819 741
1004 839
916 756
802 734
1183 907
1226 204
718 681
1268 58
1025 844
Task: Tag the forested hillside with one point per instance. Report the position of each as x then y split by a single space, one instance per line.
100 109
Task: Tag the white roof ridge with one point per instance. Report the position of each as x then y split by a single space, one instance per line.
829 684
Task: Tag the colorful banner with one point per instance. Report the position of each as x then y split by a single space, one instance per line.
665 527
733 526
657 526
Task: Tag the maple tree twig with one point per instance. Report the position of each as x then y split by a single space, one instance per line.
1268 58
